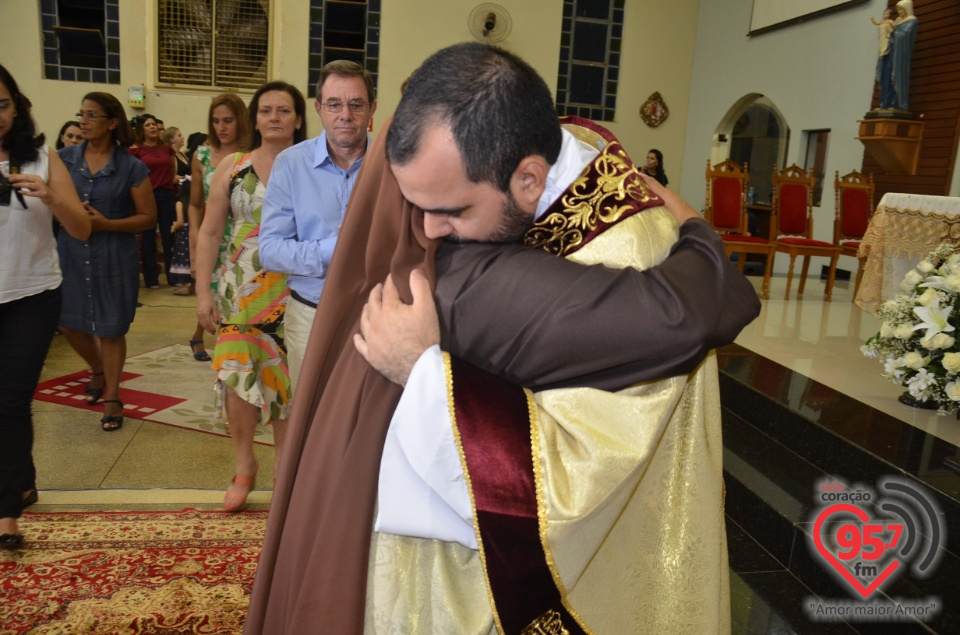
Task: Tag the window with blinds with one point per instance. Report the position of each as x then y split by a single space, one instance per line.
217 44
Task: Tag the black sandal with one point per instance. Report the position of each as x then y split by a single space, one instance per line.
94 394
109 423
200 356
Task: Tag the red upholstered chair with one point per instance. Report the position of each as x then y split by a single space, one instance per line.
793 224
853 194
726 211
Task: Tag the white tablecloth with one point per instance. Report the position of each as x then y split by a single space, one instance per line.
904 229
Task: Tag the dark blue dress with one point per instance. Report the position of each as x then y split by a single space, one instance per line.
101 275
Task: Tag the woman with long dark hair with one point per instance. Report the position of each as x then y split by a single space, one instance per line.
247 311
35 188
70 135
654 167
102 274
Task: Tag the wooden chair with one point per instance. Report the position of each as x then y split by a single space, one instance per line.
853 205
793 224
726 211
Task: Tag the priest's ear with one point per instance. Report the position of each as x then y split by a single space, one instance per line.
529 180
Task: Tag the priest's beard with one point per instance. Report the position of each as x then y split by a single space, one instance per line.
514 225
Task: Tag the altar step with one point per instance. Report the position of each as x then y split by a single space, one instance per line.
783 433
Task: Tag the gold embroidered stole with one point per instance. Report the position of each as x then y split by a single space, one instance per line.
495 422
608 191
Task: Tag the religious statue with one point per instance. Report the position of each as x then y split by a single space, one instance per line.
893 69
885 58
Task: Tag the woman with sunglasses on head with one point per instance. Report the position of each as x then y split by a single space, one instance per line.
102 273
35 188
247 309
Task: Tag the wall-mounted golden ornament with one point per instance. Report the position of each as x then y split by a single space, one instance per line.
654 111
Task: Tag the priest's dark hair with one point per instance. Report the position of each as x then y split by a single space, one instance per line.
497 106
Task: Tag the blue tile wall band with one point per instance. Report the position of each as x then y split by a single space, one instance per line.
52 66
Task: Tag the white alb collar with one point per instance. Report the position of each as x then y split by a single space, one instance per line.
574 157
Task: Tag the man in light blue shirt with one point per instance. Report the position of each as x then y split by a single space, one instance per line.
307 195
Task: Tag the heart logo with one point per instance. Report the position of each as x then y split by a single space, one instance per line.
828 556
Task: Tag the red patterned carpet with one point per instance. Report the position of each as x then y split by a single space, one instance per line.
135 573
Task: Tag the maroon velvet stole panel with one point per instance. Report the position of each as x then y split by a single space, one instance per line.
493 419
493 422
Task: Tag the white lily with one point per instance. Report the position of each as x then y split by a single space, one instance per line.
934 319
950 284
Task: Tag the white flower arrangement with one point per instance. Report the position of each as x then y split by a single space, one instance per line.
918 339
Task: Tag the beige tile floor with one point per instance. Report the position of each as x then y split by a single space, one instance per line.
150 465
822 340
144 465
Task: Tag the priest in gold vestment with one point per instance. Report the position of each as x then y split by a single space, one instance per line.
572 509
625 492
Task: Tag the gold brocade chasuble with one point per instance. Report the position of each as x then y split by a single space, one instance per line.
627 485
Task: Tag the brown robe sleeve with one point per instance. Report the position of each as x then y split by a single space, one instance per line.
545 322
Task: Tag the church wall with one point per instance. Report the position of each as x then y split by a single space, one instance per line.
657 55
820 75
414 29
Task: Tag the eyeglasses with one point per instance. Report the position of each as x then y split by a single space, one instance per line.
356 106
91 116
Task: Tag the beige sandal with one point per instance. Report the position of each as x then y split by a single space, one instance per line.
234 502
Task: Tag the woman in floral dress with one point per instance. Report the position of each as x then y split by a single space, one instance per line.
247 310
227 133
